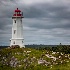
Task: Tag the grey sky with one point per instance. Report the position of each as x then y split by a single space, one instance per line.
45 22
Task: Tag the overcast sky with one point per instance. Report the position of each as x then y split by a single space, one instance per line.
45 22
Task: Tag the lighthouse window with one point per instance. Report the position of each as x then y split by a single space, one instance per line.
14 31
15 21
14 42
22 41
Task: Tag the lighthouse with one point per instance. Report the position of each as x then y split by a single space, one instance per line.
17 29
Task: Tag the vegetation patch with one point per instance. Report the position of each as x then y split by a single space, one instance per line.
34 59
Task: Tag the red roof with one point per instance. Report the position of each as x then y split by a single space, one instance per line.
17 10
18 13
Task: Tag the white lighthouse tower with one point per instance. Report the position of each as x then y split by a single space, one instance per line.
17 29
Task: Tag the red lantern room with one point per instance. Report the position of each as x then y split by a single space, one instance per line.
18 13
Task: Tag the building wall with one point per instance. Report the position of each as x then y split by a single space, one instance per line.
17 32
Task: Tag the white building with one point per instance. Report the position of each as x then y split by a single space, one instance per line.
17 29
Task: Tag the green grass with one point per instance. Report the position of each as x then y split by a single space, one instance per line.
34 65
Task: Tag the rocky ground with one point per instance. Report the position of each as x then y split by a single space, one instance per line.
32 59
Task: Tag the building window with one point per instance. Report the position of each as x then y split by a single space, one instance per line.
15 21
14 31
14 42
22 41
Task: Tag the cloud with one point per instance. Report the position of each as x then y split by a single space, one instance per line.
45 22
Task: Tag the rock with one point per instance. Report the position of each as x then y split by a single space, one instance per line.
67 61
65 56
13 62
59 56
50 56
43 62
20 65
53 52
61 61
0 55
57 52
61 53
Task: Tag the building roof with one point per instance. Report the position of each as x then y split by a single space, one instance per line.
17 10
